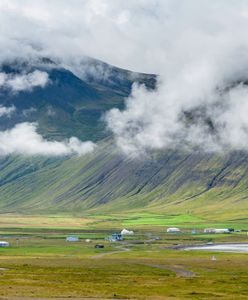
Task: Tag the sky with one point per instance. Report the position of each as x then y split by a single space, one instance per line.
123 33
199 49
140 35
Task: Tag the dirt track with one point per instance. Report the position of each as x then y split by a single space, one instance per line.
119 250
179 270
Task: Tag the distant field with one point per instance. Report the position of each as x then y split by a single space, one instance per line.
40 263
135 220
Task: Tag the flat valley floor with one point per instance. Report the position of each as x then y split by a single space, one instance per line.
151 264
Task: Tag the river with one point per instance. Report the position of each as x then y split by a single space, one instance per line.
238 248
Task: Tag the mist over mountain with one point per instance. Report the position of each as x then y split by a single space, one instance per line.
65 105
198 50
46 176
108 104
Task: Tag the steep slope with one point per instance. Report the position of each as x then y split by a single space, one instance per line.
71 104
206 184
101 74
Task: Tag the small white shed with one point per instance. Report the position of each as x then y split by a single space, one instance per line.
126 232
173 230
72 239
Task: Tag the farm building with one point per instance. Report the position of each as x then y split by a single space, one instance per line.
115 237
4 244
126 232
209 230
216 230
72 239
173 230
222 230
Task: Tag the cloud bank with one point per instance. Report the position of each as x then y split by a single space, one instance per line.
198 48
23 82
24 139
202 97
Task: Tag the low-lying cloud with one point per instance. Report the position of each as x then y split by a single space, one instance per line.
23 82
7 111
201 101
199 49
24 139
209 119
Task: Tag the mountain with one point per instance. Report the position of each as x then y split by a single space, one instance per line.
68 106
210 185
71 104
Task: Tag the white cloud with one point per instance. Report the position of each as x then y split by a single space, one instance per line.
141 35
23 82
24 139
198 48
205 56
29 111
7 111
157 119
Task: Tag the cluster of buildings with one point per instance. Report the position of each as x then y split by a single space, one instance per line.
115 237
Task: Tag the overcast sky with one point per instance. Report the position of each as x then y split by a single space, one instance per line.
142 35
135 34
198 47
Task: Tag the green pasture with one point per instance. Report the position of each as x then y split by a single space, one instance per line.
41 264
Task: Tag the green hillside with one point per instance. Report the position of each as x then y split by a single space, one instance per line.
171 181
207 185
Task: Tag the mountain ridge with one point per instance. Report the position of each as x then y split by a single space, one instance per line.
80 103
213 185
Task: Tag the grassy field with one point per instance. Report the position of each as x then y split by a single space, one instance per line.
40 264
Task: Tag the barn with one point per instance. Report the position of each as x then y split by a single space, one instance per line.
4 244
216 230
